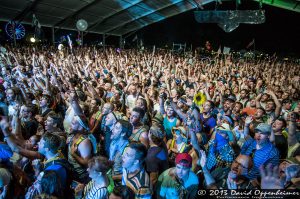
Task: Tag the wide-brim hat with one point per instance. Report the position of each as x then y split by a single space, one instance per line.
181 129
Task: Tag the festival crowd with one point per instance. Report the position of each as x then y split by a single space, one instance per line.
93 123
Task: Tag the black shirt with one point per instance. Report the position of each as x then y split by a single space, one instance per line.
157 159
281 144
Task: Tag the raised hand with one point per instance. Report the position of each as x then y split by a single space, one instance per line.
202 160
231 184
270 178
248 120
4 124
4 192
79 189
270 121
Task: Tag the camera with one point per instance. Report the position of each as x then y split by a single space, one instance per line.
163 95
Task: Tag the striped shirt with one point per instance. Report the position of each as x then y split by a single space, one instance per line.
92 191
140 184
264 156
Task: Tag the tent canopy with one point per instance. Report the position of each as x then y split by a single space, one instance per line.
111 17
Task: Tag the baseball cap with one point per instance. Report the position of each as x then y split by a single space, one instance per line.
263 128
231 98
186 157
157 132
228 119
158 118
181 130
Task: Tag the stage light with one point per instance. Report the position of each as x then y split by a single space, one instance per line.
32 39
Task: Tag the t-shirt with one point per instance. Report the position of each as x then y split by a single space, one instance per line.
130 101
269 115
208 123
267 154
169 186
60 171
115 154
249 111
11 109
281 144
157 159
92 191
140 184
4 108
168 125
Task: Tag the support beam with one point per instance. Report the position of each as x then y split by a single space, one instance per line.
109 16
143 15
15 41
103 41
77 12
130 34
121 42
30 6
136 28
53 35
285 4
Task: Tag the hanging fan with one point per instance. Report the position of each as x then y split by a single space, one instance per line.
12 28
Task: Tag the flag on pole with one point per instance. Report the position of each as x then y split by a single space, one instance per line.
153 50
35 22
69 41
135 38
37 26
260 4
219 51
251 43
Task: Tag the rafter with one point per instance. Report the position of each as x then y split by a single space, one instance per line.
77 12
143 15
30 6
165 7
111 15
285 4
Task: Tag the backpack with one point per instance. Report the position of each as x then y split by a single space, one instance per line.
66 165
